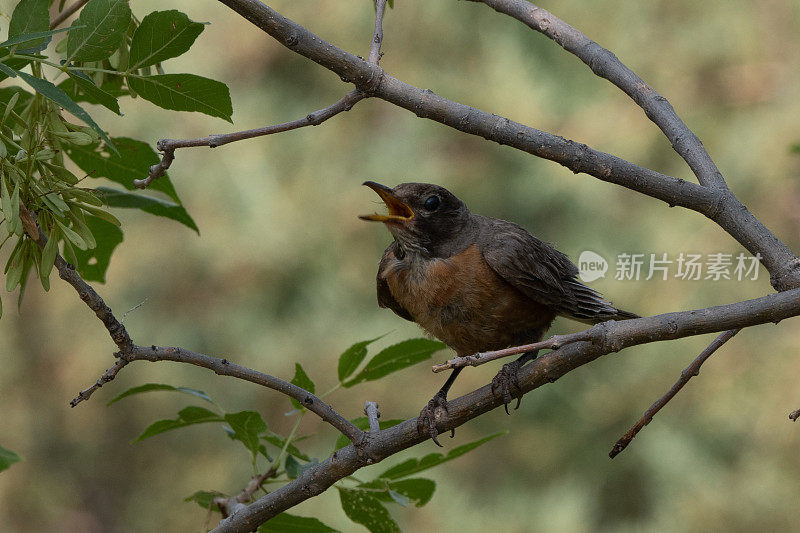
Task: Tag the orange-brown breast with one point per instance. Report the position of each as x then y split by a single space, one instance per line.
464 303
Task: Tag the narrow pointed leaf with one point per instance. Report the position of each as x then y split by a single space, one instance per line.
302 380
363 508
50 91
412 466
8 458
95 93
150 387
396 357
32 36
148 204
104 23
352 357
247 426
161 36
185 92
186 417
289 523
30 16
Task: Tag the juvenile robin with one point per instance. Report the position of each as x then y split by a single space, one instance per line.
476 283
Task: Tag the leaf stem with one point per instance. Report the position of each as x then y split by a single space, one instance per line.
281 455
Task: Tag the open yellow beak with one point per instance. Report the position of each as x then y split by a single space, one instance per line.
399 211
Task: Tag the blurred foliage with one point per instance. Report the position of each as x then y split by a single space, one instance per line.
284 273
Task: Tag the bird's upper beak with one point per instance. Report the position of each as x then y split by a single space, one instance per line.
399 211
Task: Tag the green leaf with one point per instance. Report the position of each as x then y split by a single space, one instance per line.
279 442
363 508
51 92
352 357
185 92
204 498
49 254
160 36
31 36
294 469
412 466
396 357
104 24
362 422
95 94
418 490
148 204
30 16
8 458
289 523
131 162
247 426
302 380
150 387
186 417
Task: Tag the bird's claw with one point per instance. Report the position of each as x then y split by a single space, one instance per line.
426 423
505 380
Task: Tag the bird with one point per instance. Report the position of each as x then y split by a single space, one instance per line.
474 282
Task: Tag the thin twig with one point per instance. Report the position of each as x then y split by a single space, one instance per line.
377 37
229 505
107 376
480 358
64 15
85 291
371 410
168 146
223 367
688 373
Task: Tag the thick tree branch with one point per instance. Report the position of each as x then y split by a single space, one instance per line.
606 65
687 374
68 12
718 204
223 367
85 291
604 338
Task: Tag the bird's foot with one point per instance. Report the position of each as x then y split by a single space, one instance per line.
505 381
426 423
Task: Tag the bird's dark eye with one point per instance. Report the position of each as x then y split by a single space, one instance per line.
432 203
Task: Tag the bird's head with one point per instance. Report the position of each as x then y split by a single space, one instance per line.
423 218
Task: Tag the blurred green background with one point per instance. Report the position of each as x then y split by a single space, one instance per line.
284 271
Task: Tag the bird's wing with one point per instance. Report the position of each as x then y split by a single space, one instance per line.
385 298
542 273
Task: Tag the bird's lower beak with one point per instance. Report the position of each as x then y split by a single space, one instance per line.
399 211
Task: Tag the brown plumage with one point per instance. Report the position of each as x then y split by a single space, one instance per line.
475 283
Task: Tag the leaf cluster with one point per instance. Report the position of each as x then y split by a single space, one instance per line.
48 139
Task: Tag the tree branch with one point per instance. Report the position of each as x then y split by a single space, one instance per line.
371 410
481 358
718 204
168 146
606 65
68 12
604 338
687 374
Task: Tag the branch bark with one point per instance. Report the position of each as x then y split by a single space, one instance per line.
603 339
687 374
716 203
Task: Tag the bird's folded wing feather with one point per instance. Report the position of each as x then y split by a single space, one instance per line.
542 273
